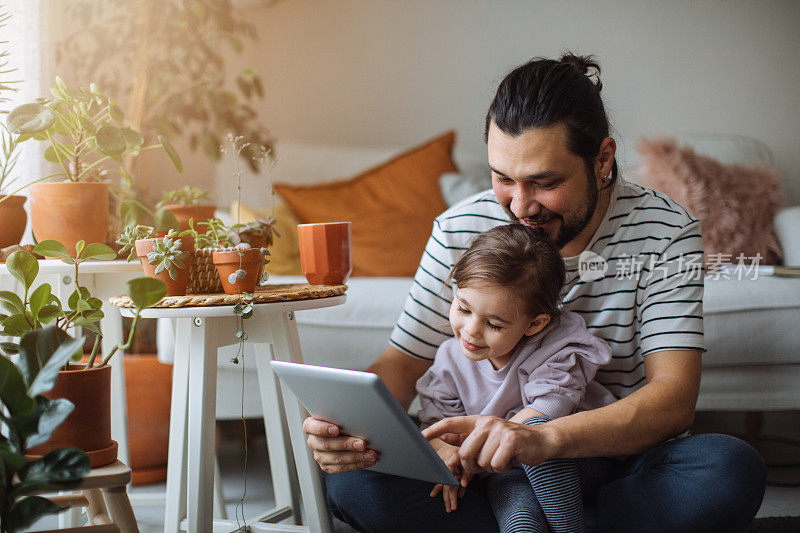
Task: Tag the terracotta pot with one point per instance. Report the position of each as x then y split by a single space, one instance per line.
325 255
69 212
229 261
12 220
148 388
88 426
200 213
175 287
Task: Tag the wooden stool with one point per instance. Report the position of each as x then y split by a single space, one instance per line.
102 491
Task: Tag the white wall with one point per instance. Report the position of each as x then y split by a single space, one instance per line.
393 73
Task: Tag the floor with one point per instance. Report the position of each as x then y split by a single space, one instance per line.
778 501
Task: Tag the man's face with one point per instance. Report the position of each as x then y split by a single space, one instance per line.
540 183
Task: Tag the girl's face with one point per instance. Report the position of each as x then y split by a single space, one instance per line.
489 322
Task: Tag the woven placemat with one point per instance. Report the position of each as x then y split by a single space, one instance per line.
265 294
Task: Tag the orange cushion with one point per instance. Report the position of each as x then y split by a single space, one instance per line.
391 206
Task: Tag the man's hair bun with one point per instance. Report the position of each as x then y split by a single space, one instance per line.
584 64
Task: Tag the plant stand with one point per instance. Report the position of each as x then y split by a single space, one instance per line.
203 325
105 498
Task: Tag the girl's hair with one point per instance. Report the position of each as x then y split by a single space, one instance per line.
516 257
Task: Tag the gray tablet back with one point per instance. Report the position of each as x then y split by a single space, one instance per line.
360 404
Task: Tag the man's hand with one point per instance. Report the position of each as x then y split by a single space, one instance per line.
337 454
493 444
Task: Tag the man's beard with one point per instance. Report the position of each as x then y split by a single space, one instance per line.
572 225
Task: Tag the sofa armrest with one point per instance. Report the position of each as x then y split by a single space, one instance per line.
787 227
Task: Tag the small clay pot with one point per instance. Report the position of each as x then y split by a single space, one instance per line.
200 213
69 212
229 261
88 426
12 220
175 287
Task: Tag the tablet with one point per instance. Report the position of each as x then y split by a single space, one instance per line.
361 405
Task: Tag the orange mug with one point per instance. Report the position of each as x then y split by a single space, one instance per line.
325 255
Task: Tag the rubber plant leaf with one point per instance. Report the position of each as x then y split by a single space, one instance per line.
26 511
13 391
35 348
51 361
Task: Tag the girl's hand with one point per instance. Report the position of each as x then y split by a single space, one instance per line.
450 495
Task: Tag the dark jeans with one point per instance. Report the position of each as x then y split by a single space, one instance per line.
705 482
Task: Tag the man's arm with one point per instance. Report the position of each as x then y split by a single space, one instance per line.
337 454
400 372
661 409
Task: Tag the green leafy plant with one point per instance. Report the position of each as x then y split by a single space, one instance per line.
186 195
29 420
260 231
9 142
38 308
85 129
129 237
169 61
167 255
8 158
213 233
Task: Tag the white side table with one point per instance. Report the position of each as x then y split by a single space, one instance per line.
200 332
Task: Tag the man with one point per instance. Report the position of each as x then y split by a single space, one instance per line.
634 272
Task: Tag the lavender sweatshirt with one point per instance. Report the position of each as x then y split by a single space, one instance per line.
551 372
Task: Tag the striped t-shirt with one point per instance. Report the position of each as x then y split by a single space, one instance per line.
648 299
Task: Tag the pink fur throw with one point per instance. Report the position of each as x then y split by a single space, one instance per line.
736 204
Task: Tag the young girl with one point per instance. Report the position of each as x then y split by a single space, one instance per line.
515 355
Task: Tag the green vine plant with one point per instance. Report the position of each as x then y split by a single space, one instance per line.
242 236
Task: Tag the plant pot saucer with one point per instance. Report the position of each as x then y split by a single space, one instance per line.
97 458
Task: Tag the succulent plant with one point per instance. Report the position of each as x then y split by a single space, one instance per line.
132 234
167 255
253 232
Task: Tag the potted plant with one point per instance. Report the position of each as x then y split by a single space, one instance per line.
172 68
12 213
13 217
86 131
258 234
239 267
167 258
85 384
188 203
29 419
